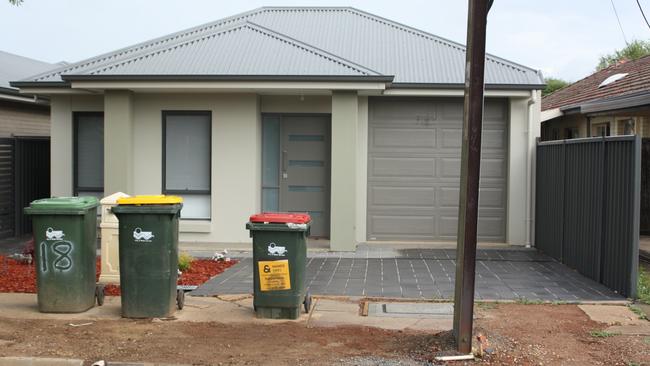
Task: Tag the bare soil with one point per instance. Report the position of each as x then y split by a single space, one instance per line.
555 335
517 334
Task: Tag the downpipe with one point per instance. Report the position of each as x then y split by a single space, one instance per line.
529 170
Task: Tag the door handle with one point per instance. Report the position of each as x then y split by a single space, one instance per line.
284 164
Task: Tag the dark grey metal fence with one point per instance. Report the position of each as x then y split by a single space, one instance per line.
645 186
32 177
7 208
587 207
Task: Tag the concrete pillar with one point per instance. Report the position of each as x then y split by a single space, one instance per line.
61 146
362 170
345 117
118 141
517 167
110 239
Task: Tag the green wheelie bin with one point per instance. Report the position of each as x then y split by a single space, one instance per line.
65 252
279 264
148 230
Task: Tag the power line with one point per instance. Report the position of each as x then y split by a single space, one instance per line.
642 13
619 20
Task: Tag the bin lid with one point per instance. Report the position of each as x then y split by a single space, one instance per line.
160 199
62 205
281 218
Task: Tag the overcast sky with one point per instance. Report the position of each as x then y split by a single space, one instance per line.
563 38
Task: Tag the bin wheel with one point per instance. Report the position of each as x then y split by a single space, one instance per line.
307 302
180 299
99 294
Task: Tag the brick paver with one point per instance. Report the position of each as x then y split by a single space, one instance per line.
501 274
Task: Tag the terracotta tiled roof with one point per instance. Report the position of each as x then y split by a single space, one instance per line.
638 79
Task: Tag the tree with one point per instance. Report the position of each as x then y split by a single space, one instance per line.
15 2
553 84
632 51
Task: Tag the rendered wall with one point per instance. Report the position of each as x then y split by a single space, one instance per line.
61 154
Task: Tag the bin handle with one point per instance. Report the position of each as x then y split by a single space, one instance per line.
284 164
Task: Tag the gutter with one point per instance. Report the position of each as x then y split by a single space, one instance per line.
39 84
354 78
14 95
609 104
462 86
67 79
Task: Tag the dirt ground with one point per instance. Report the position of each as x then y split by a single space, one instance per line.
518 334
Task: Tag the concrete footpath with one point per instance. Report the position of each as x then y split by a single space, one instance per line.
325 312
393 314
231 309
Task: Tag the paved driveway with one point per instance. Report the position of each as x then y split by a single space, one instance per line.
502 274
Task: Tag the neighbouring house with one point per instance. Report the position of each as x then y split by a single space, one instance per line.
611 102
24 144
348 116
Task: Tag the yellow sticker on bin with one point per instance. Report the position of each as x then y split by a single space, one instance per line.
274 275
150 200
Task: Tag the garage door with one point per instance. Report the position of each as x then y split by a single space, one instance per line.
414 150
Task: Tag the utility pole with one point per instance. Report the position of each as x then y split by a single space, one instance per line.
470 173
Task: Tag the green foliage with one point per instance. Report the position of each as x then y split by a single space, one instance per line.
638 312
185 262
601 334
525 301
560 302
643 287
632 51
16 2
553 84
486 305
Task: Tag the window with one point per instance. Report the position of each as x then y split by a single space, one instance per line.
628 127
600 129
186 160
88 154
571 133
270 164
555 134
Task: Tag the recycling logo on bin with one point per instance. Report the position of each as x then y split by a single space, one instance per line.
276 250
51 234
142 236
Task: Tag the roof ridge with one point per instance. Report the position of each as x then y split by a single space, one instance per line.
323 52
30 59
255 27
435 37
141 46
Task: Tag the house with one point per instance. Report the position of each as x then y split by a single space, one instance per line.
24 144
610 102
348 116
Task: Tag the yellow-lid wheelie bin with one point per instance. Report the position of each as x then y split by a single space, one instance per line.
148 229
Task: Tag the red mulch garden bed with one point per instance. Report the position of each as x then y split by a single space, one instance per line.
18 277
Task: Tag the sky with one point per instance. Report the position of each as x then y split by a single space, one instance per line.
563 38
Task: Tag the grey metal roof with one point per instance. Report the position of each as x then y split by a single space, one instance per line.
14 67
243 49
302 41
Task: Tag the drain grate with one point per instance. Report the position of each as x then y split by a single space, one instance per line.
411 310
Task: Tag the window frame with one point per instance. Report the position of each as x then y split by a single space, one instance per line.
164 190
606 126
75 153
